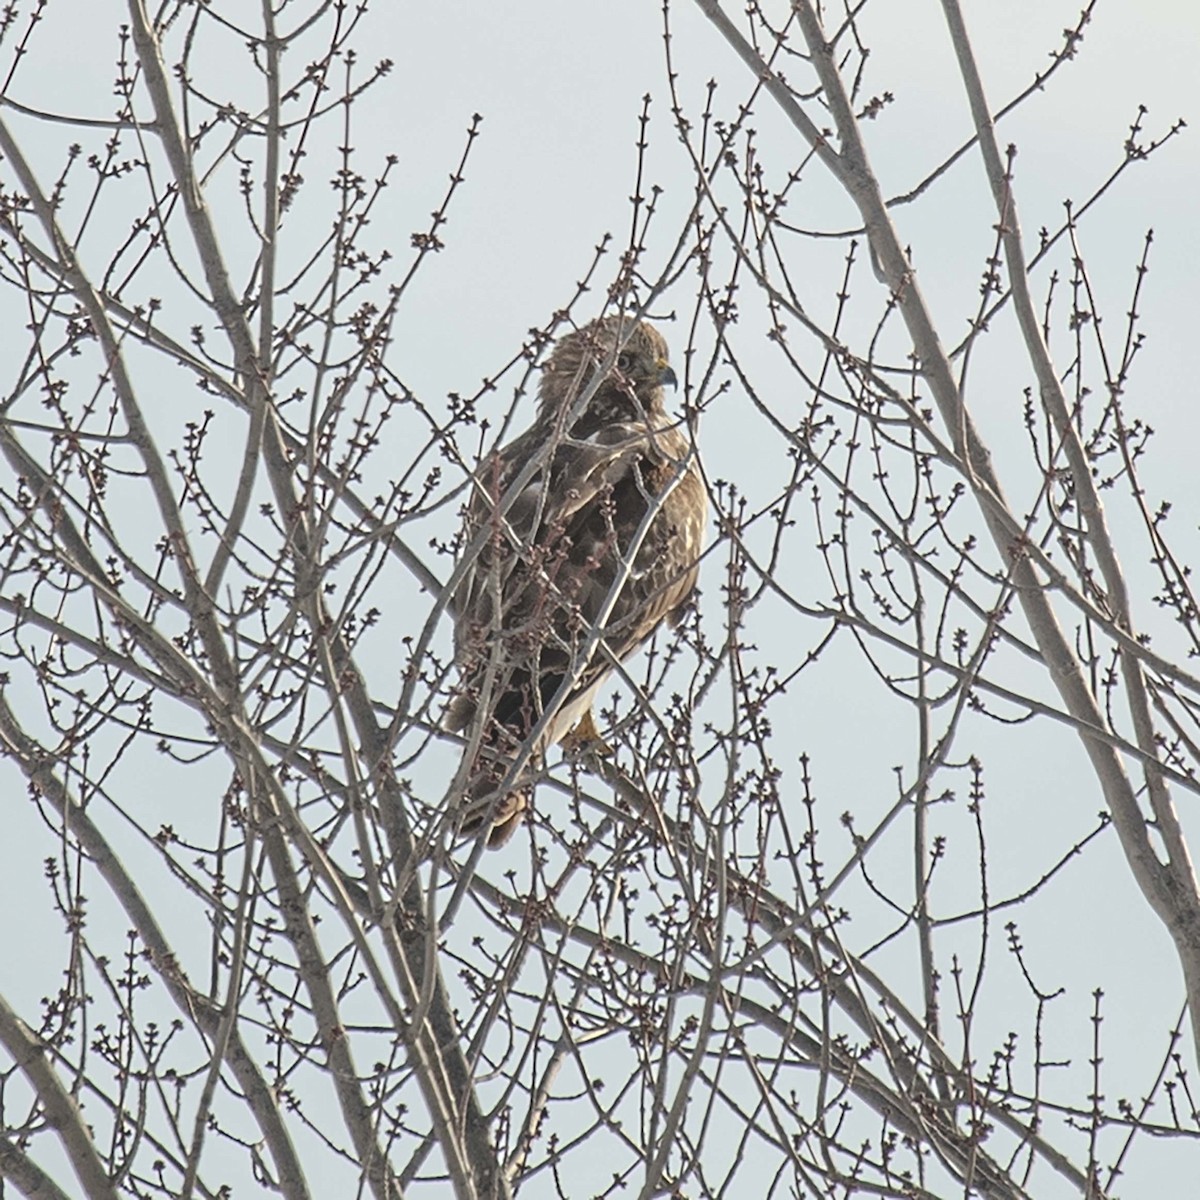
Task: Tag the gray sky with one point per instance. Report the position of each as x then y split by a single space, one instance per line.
560 87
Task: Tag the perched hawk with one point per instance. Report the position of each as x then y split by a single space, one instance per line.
601 535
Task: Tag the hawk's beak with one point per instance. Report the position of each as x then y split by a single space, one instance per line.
666 375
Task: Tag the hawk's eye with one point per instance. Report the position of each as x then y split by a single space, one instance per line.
624 361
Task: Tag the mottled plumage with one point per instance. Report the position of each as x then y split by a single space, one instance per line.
544 576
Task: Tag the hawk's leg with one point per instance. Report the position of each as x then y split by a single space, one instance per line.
586 737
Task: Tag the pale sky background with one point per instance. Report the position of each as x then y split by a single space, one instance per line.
559 86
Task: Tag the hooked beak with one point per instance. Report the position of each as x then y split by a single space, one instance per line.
667 376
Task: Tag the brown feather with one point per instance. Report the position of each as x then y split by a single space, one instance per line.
548 563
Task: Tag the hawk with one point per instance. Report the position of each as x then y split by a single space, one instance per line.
586 533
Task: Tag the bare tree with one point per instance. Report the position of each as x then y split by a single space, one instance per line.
784 936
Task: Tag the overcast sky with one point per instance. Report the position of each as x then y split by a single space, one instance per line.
560 87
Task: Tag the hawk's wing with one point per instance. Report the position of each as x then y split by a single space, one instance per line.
547 572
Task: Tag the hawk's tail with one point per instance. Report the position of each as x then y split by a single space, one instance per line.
481 804
513 716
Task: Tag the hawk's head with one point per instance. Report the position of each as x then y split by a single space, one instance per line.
635 355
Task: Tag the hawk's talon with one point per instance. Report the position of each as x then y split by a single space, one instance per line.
585 738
